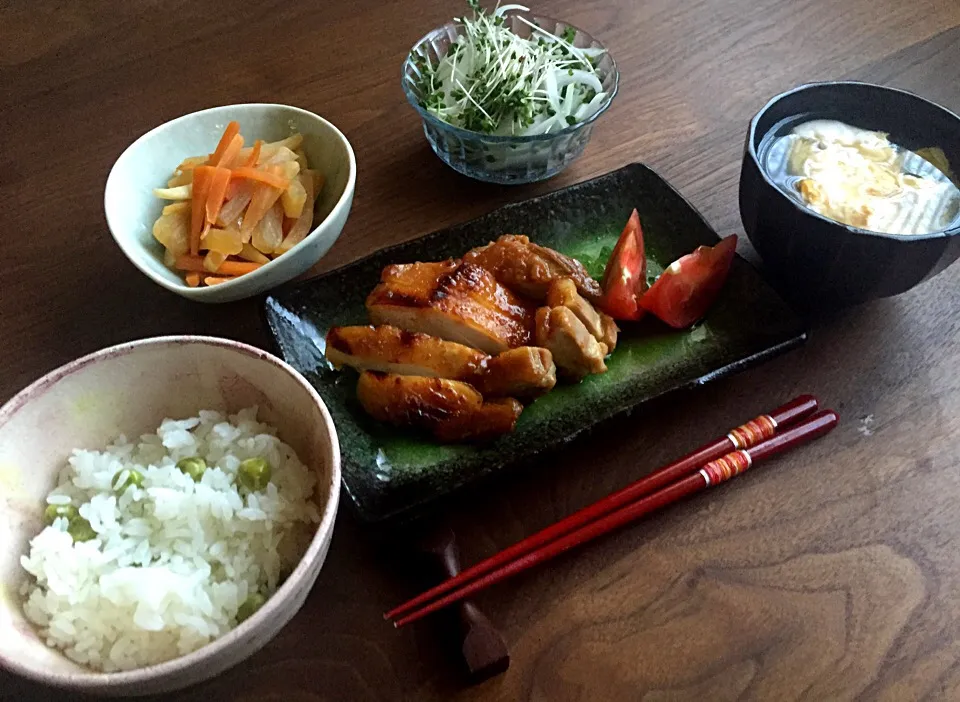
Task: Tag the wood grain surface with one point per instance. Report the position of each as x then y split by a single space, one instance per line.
830 574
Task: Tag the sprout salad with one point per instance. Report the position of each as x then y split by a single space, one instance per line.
495 82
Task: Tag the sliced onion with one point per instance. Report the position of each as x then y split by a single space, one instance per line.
567 107
593 51
553 92
588 110
542 127
503 9
581 77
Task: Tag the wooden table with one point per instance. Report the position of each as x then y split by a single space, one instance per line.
829 575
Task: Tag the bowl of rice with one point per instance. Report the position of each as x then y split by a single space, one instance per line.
165 508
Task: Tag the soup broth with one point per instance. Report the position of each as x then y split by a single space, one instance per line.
859 177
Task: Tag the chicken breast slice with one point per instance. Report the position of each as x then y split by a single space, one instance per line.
526 372
391 350
455 301
563 293
492 419
575 351
450 410
529 269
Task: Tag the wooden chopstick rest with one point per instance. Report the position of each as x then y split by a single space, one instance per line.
483 648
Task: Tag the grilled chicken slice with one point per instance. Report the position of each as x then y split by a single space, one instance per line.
529 268
449 409
492 419
452 300
524 373
392 350
575 351
563 293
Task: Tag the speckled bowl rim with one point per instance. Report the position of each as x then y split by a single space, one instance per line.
94 681
200 293
754 157
614 74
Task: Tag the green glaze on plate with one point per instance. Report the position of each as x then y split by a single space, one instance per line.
388 472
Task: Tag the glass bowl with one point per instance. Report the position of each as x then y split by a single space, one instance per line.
505 159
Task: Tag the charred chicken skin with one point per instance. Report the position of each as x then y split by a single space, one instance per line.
525 372
448 409
529 269
452 300
391 350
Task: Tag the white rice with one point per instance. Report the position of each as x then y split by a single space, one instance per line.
172 560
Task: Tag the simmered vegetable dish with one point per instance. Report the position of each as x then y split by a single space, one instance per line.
234 210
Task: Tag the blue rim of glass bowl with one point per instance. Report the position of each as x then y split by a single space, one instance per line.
427 116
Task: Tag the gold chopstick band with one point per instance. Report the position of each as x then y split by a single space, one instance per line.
725 468
753 432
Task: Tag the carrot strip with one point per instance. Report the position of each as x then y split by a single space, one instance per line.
229 157
194 264
202 177
216 280
238 267
272 178
190 263
217 193
231 131
254 155
193 279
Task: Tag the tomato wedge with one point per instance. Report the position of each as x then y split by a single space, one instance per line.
625 277
688 287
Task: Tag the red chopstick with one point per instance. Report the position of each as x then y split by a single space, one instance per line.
751 433
713 473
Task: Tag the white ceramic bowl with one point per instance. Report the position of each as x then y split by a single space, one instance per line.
131 207
129 389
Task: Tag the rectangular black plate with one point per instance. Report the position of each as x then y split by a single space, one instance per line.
388 472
